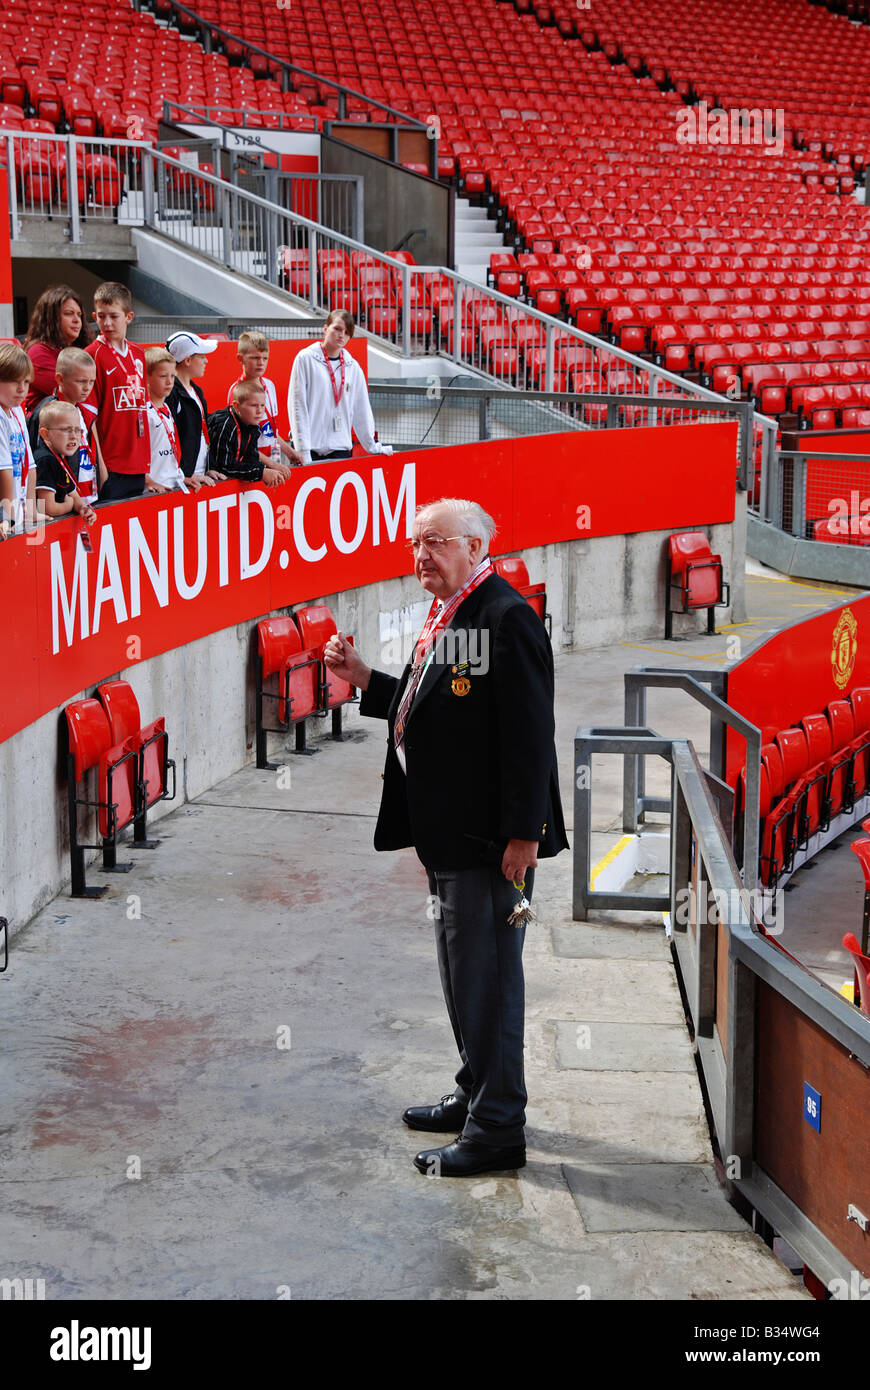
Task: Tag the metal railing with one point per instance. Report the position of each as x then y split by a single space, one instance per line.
153 329
713 912
413 415
800 488
72 179
292 76
417 311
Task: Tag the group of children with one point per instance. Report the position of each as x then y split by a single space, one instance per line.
122 422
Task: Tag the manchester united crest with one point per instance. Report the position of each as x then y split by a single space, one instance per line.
844 648
461 685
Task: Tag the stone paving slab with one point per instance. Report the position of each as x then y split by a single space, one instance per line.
650 1197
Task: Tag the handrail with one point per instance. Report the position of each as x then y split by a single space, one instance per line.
344 91
721 995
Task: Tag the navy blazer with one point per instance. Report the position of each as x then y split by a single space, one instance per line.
479 740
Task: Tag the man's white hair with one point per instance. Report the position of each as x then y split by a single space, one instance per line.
469 517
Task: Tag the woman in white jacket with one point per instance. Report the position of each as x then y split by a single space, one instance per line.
328 397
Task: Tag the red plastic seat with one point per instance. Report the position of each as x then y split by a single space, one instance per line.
694 576
91 747
150 743
280 653
513 569
316 626
862 969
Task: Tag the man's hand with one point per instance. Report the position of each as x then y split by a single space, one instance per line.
519 855
344 659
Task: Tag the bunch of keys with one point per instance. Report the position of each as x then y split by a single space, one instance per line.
522 912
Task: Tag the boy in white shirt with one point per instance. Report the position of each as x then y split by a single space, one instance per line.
328 400
165 473
17 473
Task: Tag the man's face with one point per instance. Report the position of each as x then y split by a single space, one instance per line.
446 568
335 337
251 411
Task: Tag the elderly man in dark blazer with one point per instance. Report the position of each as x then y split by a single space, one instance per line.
471 782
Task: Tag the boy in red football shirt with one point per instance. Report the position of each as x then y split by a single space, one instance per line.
117 405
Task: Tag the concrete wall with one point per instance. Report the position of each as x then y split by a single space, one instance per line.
600 591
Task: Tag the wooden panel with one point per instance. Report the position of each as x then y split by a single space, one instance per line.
375 141
722 985
414 147
821 1173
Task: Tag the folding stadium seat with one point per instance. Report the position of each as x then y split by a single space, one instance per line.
91 749
152 749
813 805
513 569
280 654
694 576
861 961
316 625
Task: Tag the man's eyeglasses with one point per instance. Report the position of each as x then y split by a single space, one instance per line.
432 543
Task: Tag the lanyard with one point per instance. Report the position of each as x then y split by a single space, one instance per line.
65 469
169 428
336 393
135 383
25 461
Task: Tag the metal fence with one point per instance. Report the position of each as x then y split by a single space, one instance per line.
731 971
819 496
73 180
152 329
437 414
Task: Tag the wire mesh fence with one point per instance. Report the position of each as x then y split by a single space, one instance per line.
437 414
156 329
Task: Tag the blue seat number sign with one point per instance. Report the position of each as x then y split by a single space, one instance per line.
812 1107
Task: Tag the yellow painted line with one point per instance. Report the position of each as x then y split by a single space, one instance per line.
665 651
609 857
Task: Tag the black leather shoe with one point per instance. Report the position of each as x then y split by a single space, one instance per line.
464 1157
447 1117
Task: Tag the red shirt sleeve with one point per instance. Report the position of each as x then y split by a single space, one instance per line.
44 359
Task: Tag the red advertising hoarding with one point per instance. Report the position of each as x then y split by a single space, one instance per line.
167 570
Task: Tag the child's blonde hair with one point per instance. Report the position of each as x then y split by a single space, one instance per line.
252 340
51 413
156 356
15 365
71 359
244 390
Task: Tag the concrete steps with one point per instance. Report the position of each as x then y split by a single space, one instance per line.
475 238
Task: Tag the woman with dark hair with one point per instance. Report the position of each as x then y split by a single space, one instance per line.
57 322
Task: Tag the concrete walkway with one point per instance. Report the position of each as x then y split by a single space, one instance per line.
202 1074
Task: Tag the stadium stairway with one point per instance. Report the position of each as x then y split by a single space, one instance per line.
268 915
475 240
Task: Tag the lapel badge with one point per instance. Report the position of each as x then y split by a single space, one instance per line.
461 685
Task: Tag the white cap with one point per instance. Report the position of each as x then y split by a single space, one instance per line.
185 344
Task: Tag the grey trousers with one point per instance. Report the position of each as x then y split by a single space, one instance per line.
480 958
